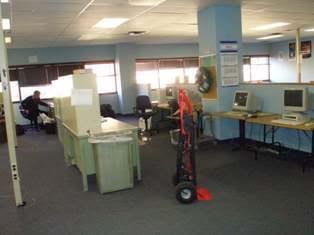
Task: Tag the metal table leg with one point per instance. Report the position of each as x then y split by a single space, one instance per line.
242 133
242 139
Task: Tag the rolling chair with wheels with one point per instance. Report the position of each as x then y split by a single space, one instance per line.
144 110
26 115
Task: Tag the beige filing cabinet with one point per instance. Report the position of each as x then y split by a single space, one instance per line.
113 162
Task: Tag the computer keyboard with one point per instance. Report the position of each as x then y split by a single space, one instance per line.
287 122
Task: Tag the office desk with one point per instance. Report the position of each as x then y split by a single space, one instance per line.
78 151
267 121
241 120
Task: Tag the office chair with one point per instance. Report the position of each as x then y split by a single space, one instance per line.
25 115
144 110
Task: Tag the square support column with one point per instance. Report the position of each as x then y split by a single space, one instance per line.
219 23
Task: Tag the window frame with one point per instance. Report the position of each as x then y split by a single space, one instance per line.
114 71
250 64
158 60
46 81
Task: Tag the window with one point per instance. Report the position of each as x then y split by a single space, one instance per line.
147 73
161 72
256 68
105 75
39 77
15 91
46 91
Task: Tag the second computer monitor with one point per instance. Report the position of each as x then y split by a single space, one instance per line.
170 93
295 99
245 101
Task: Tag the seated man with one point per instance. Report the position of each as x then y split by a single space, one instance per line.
30 105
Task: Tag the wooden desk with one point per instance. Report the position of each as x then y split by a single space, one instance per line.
267 121
241 120
78 151
228 115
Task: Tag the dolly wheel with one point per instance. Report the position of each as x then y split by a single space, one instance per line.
174 179
185 192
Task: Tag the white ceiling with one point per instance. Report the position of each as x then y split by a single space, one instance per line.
49 23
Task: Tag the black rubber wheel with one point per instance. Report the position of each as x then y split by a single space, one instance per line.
186 192
174 179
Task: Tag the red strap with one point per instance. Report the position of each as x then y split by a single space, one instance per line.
185 105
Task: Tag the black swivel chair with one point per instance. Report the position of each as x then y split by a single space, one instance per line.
143 104
25 115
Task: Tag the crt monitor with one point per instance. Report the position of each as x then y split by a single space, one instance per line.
170 93
295 99
245 101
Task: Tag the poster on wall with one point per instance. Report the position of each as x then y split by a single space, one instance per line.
229 69
306 49
229 63
291 50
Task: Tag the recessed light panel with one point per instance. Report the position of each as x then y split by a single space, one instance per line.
270 26
7 40
145 2
6 24
109 23
270 37
309 30
136 33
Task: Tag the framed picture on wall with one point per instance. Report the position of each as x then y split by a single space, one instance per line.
306 49
291 50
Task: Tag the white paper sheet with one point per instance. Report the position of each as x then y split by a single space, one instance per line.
82 97
228 59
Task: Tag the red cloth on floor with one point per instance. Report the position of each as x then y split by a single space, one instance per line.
203 194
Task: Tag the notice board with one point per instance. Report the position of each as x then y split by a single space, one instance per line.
210 63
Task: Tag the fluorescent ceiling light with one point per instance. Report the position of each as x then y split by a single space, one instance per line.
109 23
4 1
270 26
87 37
270 37
309 30
6 24
7 39
145 2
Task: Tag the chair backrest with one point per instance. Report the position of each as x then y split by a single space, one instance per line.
22 111
142 103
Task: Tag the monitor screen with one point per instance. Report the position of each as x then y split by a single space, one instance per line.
169 92
293 98
240 99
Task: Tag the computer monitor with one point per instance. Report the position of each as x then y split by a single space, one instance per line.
245 101
170 93
295 99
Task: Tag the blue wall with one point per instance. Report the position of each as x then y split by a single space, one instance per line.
283 69
61 54
166 51
256 49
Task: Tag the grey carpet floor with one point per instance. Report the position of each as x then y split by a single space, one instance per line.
267 196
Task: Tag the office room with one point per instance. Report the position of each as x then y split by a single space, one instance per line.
157 117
